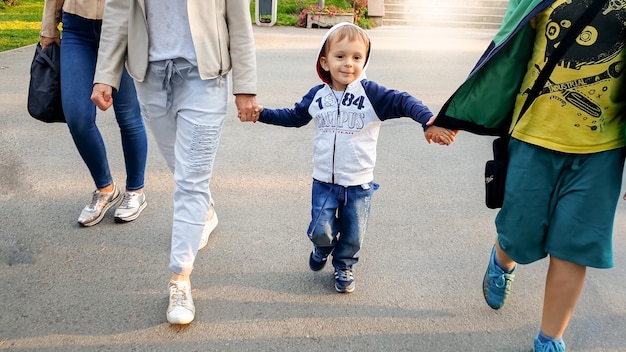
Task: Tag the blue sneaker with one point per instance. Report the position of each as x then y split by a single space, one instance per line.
497 283
550 346
344 281
317 262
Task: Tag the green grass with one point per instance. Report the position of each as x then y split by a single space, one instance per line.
20 23
288 11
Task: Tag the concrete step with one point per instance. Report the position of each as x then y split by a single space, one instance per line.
441 24
445 13
460 3
442 10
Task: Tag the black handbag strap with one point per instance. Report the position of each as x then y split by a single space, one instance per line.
45 56
568 39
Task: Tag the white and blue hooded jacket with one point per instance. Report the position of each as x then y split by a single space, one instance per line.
344 147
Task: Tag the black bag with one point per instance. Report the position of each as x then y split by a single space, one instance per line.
44 89
495 173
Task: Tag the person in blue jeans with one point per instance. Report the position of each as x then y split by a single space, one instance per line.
82 20
348 110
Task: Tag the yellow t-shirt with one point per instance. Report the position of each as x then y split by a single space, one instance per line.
582 105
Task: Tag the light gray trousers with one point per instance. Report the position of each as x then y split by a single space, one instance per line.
186 115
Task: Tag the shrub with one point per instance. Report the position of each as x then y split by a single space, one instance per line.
311 10
8 3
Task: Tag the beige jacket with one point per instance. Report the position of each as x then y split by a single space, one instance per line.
221 31
91 9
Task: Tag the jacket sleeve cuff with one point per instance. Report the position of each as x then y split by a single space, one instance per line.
249 88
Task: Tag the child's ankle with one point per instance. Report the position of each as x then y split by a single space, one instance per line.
506 270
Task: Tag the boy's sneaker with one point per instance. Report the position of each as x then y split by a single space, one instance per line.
209 226
131 206
344 281
181 309
550 346
496 283
317 262
100 203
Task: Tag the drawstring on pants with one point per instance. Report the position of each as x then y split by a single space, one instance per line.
172 74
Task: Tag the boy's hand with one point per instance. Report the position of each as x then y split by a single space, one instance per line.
439 135
258 111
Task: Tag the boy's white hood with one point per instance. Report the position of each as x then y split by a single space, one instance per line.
324 75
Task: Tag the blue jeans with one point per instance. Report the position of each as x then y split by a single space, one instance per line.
79 50
339 220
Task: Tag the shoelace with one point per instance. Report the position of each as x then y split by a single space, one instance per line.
178 295
317 257
501 279
96 198
127 199
343 275
552 346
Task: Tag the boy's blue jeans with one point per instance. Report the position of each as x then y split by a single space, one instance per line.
79 50
339 220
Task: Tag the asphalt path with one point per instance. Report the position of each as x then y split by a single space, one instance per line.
66 288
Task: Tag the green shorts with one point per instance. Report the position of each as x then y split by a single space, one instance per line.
560 204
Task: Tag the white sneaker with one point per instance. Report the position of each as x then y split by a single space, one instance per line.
131 206
181 309
209 226
100 203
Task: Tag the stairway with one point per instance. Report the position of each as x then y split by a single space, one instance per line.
479 14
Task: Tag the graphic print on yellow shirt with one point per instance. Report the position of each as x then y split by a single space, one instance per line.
580 109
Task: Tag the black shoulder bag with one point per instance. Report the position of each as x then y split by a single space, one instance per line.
44 89
495 170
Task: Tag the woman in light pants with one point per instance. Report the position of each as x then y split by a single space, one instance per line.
181 54
186 119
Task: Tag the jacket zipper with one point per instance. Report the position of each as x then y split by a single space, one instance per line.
219 46
335 136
